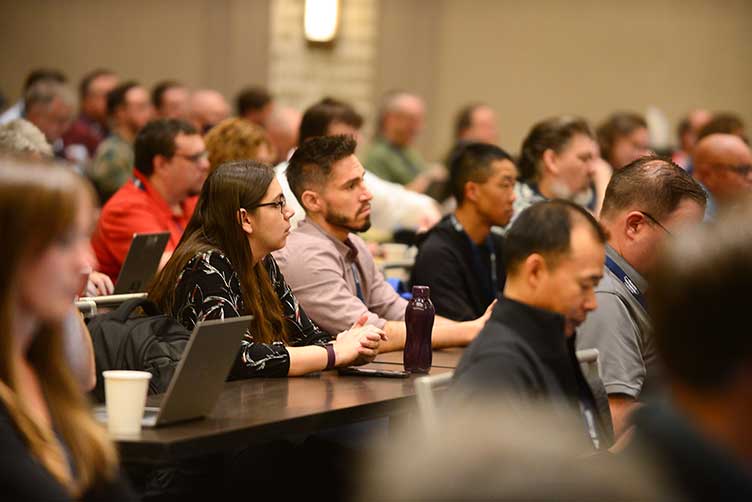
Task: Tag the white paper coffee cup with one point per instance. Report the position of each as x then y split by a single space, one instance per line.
125 398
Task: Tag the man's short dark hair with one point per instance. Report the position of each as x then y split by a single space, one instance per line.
252 98
464 119
312 162
553 133
116 97
158 138
317 118
83 86
723 123
651 184
699 303
616 126
159 90
546 228
472 162
41 74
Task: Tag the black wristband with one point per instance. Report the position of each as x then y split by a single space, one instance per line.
331 358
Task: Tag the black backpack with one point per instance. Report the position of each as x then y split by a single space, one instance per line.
124 341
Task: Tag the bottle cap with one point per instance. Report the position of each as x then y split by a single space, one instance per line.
421 291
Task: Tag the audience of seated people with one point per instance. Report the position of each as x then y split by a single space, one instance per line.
554 254
393 206
83 137
723 165
557 161
329 268
170 168
516 294
128 110
646 202
460 259
392 155
223 268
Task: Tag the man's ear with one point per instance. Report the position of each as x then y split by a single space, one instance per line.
244 219
633 223
311 201
471 191
159 162
549 161
535 270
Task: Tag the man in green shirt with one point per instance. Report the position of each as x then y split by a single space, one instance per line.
128 110
391 156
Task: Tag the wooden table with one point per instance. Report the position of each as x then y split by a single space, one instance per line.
442 358
263 409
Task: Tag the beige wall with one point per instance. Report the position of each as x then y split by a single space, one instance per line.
300 74
534 59
205 43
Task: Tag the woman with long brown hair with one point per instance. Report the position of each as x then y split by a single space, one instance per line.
50 446
223 268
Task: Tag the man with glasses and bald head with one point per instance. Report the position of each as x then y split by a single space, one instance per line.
723 164
646 202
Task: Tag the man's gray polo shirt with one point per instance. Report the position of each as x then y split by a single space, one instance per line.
621 331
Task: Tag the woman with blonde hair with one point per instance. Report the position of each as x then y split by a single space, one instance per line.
238 139
50 446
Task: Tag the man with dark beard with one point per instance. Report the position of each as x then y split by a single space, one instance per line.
328 267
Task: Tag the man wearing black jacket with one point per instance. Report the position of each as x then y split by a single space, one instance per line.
554 254
460 259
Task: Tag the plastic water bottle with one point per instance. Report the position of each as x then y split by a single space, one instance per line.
419 316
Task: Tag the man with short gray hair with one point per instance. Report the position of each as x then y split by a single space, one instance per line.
50 105
646 201
392 156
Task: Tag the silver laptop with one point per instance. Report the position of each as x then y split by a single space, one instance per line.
200 375
141 262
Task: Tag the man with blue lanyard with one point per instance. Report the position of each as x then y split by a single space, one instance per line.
645 203
460 258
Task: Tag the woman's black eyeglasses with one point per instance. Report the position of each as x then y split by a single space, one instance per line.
279 204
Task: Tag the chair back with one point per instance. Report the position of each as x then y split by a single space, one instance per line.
426 388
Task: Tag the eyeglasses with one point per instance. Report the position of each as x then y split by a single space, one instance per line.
279 204
651 218
195 158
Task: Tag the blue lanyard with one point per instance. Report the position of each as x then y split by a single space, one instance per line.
627 281
477 262
358 287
